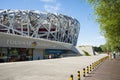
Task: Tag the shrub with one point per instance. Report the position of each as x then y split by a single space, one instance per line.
86 53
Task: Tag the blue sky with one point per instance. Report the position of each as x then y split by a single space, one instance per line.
80 9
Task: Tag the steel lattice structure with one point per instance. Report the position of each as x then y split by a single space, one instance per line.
37 24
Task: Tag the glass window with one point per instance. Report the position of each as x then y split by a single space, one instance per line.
3 54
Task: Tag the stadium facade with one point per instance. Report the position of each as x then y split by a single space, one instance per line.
30 35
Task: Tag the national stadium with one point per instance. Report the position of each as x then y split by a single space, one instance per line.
31 35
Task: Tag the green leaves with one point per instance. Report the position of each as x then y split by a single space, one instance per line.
108 16
86 53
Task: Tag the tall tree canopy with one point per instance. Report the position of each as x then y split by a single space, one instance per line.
108 16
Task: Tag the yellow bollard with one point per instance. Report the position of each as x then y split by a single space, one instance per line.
95 64
71 77
99 61
90 67
84 72
78 75
87 69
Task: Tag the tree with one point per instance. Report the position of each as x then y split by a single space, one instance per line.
104 48
98 49
108 16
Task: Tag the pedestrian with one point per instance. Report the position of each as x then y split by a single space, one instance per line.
114 55
50 56
38 58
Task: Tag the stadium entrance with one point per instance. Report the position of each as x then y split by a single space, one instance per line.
15 54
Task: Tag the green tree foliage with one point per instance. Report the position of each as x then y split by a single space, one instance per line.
108 16
98 49
104 48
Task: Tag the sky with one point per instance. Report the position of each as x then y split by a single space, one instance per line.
80 9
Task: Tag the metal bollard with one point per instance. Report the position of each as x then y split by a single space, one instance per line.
78 75
95 64
98 62
71 77
90 67
84 72
87 69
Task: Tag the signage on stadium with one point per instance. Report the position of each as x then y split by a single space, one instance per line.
16 42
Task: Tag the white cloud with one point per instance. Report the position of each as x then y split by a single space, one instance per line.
48 0
51 5
101 37
85 43
52 8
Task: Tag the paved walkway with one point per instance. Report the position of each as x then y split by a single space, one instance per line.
108 70
52 69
